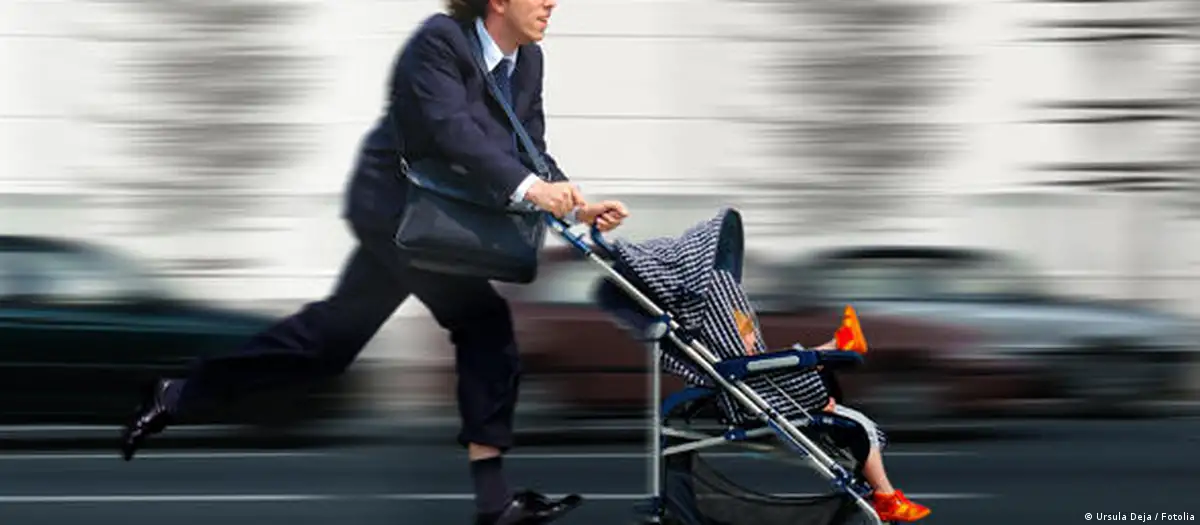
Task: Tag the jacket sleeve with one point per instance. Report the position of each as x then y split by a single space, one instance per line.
440 95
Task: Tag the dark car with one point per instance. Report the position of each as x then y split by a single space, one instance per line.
82 328
579 363
1084 354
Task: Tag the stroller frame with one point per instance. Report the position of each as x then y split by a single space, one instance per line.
728 375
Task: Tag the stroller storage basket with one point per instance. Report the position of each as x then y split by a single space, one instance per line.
696 494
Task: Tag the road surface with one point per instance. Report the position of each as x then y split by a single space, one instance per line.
1053 476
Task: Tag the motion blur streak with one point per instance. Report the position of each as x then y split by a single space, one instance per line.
1005 191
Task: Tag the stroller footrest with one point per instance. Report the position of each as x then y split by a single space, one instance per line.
741 367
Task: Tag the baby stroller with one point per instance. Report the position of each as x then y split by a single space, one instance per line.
676 295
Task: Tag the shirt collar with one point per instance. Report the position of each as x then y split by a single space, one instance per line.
492 55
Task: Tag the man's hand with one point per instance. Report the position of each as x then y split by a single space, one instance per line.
605 215
558 198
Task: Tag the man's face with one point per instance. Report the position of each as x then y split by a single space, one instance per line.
527 19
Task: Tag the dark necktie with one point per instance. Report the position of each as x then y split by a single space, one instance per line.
500 74
504 82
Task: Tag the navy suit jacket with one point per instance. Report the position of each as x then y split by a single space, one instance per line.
441 107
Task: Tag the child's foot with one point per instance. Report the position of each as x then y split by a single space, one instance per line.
850 336
897 507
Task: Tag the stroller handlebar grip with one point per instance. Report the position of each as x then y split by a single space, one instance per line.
564 230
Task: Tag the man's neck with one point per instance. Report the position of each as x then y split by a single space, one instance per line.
501 35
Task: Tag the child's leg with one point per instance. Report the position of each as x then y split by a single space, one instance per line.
876 476
873 468
889 503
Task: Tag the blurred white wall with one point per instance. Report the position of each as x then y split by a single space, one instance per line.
643 96
1077 136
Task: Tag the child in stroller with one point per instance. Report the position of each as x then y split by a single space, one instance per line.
891 504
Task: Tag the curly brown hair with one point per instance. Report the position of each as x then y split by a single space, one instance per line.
466 10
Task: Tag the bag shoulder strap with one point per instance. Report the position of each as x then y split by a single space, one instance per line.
539 163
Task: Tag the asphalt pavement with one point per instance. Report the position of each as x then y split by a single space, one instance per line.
1052 474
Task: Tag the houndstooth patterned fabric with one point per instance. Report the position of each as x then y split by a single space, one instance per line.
783 389
684 276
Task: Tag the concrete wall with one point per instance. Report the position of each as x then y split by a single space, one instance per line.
688 114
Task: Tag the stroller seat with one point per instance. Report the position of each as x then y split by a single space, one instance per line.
780 376
679 295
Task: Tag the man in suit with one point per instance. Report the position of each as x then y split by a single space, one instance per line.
440 107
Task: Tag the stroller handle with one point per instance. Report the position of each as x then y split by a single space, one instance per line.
564 230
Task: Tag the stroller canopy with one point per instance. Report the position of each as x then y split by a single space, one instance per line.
678 272
696 278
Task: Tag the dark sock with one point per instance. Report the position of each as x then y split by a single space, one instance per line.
491 489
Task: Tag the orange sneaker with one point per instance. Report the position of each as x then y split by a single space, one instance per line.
896 507
850 336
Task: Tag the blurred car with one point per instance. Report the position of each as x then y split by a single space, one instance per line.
579 364
82 328
1085 354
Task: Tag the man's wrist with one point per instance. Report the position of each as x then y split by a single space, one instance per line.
518 195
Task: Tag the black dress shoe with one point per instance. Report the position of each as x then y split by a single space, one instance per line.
530 508
151 417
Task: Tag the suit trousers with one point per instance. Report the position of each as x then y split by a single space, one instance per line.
324 337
